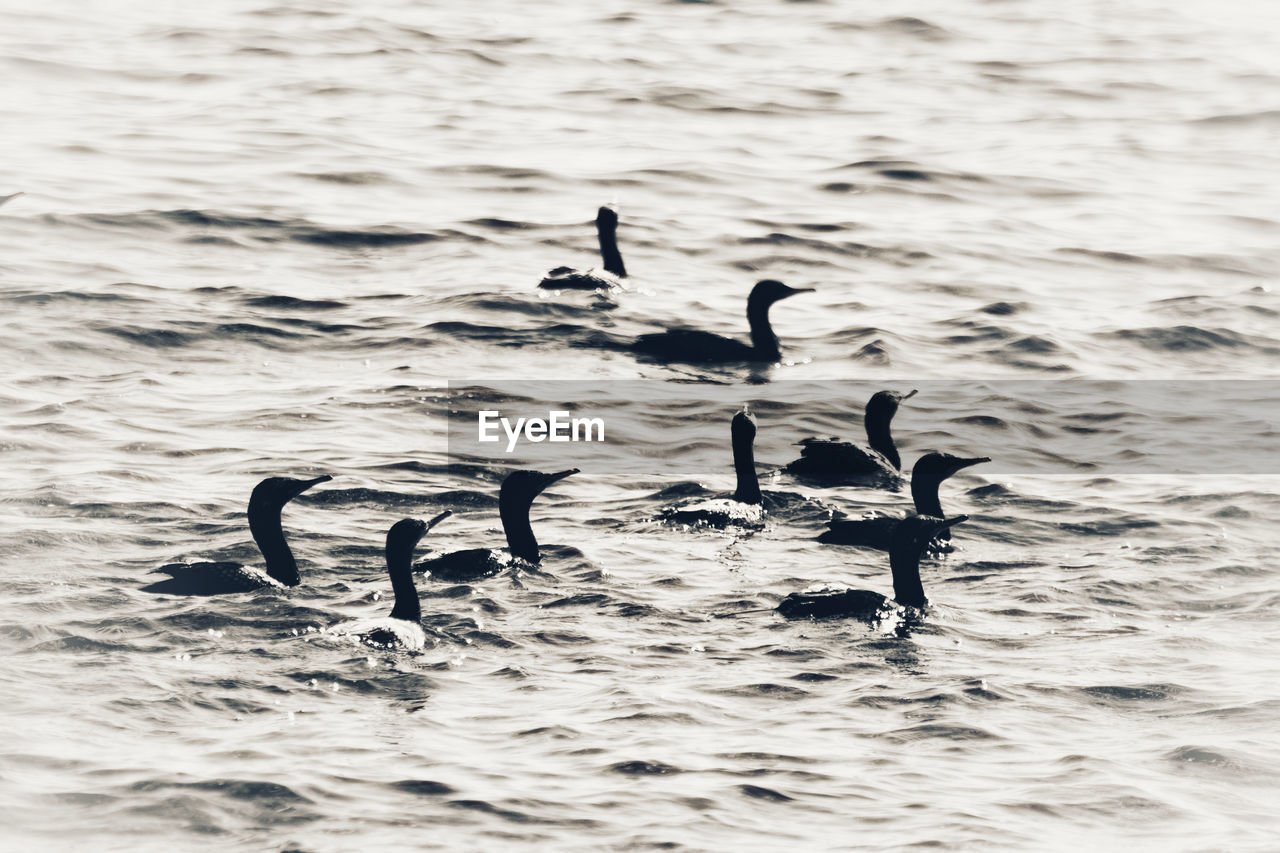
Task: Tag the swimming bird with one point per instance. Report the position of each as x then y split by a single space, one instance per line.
826 458
209 578
910 537
403 628
568 278
746 507
514 501
929 472
697 347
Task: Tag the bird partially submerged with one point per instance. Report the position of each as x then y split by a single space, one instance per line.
929 472
828 459
910 537
515 498
745 508
281 570
693 346
568 278
403 628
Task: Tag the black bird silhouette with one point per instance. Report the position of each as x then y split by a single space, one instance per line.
403 628
828 459
693 346
910 537
745 508
514 501
568 278
215 578
929 472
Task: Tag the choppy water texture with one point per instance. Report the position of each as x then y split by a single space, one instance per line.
258 238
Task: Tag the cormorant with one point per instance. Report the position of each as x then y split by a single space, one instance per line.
698 347
745 508
265 504
568 278
403 629
929 471
910 537
514 500
826 458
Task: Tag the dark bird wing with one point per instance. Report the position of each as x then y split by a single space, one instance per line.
692 346
463 566
567 278
835 604
824 458
208 579
866 532
718 513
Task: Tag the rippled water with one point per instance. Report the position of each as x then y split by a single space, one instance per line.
260 239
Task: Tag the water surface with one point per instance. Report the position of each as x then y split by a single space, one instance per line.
262 238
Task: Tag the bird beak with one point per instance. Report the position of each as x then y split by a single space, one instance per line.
952 522
439 518
965 463
796 290
909 394
560 475
306 484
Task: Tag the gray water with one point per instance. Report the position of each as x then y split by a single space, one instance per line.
261 239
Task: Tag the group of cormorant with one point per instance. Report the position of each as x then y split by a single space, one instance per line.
822 460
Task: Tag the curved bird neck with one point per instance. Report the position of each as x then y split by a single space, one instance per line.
744 465
515 523
881 441
400 568
905 565
763 340
264 524
924 494
609 251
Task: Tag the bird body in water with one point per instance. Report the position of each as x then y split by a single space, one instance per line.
929 472
693 346
403 628
746 507
568 278
828 459
514 501
910 537
281 570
